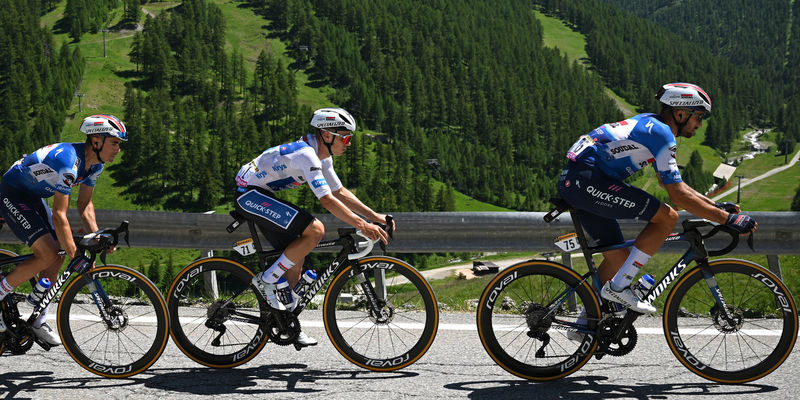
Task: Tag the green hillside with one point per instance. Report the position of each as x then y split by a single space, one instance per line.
767 196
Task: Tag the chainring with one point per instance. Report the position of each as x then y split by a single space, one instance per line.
19 336
607 329
283 337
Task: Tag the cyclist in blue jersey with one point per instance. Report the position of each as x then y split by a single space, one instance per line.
287 226
592 182
52 171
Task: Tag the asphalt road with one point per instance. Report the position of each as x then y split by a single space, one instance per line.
456 366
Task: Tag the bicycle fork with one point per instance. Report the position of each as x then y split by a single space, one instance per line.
376 295
721 306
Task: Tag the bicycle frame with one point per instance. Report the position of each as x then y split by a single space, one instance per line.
348 256
696 252
78 266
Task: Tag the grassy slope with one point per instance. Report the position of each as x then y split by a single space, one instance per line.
103 86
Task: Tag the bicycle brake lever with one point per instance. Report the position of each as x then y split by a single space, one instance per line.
750 241
390 226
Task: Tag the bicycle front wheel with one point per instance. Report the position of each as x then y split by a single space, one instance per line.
754 341
118 338
215 315
526 314
395 336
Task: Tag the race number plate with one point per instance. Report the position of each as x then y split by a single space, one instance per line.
568 242
245 247
583 143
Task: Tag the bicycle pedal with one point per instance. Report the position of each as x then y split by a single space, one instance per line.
46 346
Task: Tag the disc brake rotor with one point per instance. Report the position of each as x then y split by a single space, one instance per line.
728 326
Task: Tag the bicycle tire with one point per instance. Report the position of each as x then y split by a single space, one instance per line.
193 328
397 338
119 351
519 302
762 338
4 271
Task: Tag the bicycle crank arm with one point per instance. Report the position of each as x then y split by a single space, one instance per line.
627 321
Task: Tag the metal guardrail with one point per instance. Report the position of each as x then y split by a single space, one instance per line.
778 232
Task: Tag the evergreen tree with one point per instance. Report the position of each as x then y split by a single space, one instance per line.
796 201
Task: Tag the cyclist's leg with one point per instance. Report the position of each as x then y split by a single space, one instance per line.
285 226
658 228
28 219
591 191
299 248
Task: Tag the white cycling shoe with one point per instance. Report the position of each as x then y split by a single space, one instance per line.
305 340
269 291
47 334
627 299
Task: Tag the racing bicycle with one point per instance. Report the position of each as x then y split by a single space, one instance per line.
726 320
379 312
112 320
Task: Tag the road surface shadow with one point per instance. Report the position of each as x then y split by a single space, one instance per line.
295 378
598 387
14 383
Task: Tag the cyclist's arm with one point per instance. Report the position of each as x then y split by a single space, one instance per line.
337 208
61 224
354 204
86 209
683 196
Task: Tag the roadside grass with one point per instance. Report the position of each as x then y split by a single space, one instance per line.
457 294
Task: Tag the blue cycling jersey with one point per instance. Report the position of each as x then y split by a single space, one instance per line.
621 148
54 168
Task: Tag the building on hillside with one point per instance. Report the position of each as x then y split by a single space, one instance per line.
723 172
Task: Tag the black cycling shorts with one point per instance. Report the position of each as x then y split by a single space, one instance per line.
601 201
280 221
27 216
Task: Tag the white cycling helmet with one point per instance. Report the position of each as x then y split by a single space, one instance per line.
685 95
106 125
327 118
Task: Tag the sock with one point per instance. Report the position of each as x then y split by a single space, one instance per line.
277 269
629 269
582 317
42 318
5 289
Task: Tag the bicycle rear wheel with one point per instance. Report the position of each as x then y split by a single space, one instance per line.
215 317
407 323
524 317
125 337
760 336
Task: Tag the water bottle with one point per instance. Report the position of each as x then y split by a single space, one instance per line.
284 292
305 282
38 291
643 286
